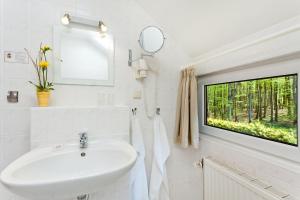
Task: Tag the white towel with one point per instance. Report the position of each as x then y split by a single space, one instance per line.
159 189
139 184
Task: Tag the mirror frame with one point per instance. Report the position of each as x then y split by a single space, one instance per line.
163 42
58 79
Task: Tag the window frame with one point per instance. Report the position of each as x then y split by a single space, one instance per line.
244 133
283 151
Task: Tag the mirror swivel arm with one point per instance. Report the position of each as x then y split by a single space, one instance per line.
131 60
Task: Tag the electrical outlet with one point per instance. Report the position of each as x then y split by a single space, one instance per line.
15 57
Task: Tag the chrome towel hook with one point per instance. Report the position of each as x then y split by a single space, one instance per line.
134 110
158 111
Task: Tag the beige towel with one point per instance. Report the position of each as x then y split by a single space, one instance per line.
187 110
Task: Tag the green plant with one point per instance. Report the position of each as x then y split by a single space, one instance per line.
41 65
257 128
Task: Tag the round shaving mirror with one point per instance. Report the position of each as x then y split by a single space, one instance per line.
151 39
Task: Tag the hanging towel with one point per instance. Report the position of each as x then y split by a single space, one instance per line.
159 189
139 184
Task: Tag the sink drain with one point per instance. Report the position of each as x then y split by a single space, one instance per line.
83 197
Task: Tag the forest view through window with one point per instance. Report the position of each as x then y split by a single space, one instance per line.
264 108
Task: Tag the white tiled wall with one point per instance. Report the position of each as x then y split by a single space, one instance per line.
61 125
25 23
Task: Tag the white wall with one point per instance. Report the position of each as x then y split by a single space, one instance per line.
275 41
25 23
210 24
271 51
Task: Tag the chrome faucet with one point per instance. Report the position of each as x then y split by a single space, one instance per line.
83 141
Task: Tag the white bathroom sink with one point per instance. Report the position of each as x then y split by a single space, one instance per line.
61 172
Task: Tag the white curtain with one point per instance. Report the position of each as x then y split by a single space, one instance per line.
186 129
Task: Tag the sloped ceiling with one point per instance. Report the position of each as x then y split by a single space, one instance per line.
200 26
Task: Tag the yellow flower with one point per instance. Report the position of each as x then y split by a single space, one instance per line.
43 64
45 48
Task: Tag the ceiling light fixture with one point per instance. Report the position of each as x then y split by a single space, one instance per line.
65 20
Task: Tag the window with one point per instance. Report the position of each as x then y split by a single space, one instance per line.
265 108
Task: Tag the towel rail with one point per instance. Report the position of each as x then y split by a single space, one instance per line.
134 110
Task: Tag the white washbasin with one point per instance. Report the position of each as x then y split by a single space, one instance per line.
60 172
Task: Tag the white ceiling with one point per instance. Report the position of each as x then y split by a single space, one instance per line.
203 25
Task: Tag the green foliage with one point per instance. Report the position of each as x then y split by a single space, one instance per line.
286 135
265 108
41 67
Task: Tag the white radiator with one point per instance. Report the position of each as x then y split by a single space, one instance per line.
225 183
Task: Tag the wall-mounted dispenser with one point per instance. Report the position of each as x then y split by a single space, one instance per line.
141 70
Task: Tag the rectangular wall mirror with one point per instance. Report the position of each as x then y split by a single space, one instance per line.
83 57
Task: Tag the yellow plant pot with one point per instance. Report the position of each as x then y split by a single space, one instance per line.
43 98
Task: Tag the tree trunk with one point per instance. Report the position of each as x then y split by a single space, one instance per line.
295 98
265 99
288 96
259 101
235 103
222 106
249 88
271 101
215 104
276 100
229 103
